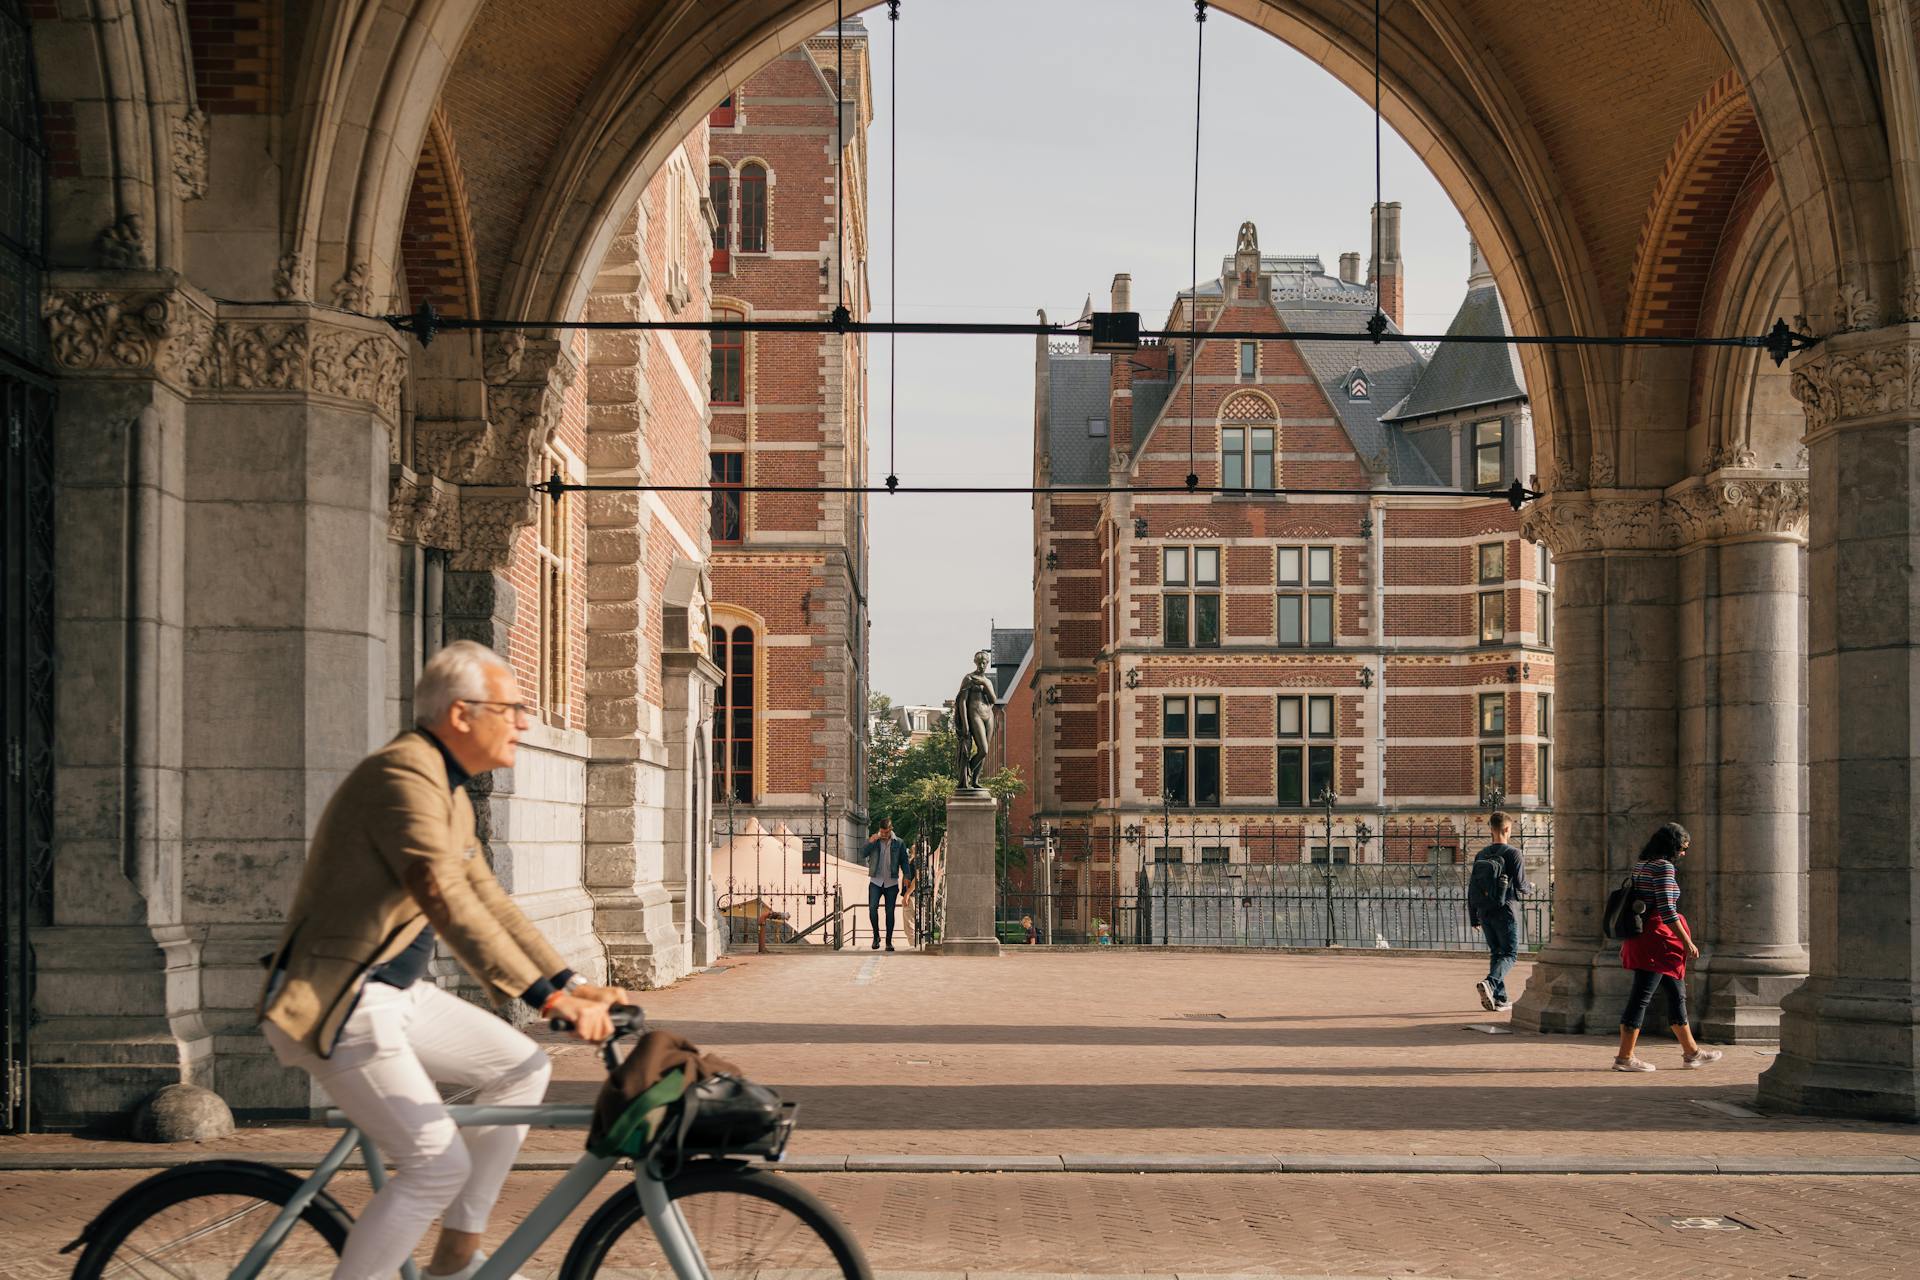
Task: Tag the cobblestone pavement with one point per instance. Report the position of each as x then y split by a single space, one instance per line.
1483 1228
1128 1052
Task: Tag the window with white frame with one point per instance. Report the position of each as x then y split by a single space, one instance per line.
1305 614
1306 732
1190 750
1489 453
1190 597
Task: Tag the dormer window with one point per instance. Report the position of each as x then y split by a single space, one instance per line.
1357 385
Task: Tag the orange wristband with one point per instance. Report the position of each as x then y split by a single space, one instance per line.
549 1004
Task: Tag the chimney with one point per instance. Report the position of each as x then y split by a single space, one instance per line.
1383 272
1479 274
1122 292
1349 268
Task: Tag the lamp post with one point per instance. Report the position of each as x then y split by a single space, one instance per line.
1326 874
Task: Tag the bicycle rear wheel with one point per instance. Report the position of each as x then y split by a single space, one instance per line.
198 1221
748 1222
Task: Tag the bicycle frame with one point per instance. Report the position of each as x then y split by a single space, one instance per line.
663 1216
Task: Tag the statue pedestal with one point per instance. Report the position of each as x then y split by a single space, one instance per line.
969 929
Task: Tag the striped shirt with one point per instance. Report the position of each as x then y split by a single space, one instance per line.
1655 883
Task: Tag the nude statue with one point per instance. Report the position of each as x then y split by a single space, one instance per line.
973 722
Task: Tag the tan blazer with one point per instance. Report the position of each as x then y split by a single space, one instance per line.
395 851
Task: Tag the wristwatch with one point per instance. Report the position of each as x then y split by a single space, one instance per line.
575 982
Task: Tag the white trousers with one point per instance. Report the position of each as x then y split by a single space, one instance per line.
393 1049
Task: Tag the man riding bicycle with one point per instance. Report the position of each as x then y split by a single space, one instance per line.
396 864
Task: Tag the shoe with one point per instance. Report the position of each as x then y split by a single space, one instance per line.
876 944
467 1272
1505 1006
889 946
1484 990
1702 1058
1633 1064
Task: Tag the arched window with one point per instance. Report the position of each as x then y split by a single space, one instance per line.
733 737
1246 443
720 191
753 209
727 383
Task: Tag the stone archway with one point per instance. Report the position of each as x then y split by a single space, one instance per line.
152 229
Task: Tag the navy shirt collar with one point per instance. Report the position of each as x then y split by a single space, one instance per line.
456 776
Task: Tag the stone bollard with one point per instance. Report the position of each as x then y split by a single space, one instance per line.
182 1113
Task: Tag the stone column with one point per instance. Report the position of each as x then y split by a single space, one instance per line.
969 929
1614 699
1741 670
1850 1039
222 645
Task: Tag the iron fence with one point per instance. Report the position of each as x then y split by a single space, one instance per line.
1208 882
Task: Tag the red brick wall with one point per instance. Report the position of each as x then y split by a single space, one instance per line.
236 55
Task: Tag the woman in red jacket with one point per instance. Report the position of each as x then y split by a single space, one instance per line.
1658 955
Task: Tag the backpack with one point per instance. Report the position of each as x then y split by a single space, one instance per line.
1488 885
1626 913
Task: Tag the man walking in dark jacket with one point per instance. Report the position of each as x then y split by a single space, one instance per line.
888 865
1494 887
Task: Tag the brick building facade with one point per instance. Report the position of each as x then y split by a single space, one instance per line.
1208 666
790 569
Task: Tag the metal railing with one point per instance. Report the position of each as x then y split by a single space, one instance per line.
1378 906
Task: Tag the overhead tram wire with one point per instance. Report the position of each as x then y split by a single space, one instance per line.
1193 245
1779 342
893 234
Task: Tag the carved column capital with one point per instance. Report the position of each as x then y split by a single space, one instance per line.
423 509
1729 504
1859 378
1582 521
149 325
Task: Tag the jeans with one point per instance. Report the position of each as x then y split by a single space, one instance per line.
1645 983
1502 930
875 893
393 1048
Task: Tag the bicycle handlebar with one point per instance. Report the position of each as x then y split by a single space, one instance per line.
626 1017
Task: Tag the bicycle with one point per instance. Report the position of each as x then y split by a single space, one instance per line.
717 1214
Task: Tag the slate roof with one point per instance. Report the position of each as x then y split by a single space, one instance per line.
1009 646
1467 375
1077 387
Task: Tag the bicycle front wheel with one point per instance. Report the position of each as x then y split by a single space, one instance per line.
198 1221
748 1222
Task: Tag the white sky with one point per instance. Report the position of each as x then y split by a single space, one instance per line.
1046 145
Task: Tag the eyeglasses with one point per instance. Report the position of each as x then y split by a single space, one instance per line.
525 712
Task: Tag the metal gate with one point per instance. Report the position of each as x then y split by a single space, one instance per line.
26 564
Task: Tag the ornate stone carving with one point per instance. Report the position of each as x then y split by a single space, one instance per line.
1729 508
293 278
354 290
169 335
123 246
95 329
1910 300
501 354
264 356
1698 511
190 154
423 510
1842 380
1854 310
487 526
359 367
1600 470
1573 521
1730 455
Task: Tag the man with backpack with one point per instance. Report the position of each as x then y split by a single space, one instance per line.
1494 887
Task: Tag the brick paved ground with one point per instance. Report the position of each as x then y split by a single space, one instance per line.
1145 1053
1089 1052
1592 1228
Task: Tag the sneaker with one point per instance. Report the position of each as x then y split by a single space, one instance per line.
1484 990
467 1272
1633 1064
1505 1006
876 944
889 946
1702 1058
